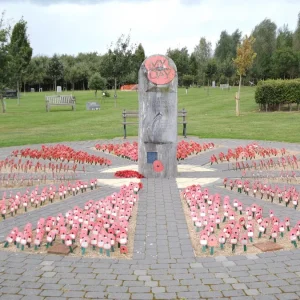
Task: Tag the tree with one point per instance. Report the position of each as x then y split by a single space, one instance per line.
187 80
55 69
284 38
36 71
181 60
20 52
227 68
193 65
210 71
73 74
284 63
138 58
4 58
296 36
118 61
243 61
265 45
97 82
202 53
226 46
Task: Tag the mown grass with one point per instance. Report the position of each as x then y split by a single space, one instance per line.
209 116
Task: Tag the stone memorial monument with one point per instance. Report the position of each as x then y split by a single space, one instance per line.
58 89
158 117
92 106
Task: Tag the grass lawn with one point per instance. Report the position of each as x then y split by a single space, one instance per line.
210 116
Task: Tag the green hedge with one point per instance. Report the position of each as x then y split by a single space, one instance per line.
273 93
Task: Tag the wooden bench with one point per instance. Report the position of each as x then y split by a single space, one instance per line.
135 114
59 100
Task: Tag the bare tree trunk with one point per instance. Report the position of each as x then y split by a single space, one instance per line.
73 85
24 87
18 91
237 98
207 87
55 85
3 103
115 95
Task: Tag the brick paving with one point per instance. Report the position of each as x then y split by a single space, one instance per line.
163 264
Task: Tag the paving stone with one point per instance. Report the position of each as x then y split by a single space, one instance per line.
290 288
32 297
165 296
271 290
30 292
49 274
158 289
117 289
10 297
9 290
151 283
212 294
118 296
233 293
140 296
51 293
287 296
74 294
188 295
95 295
239 286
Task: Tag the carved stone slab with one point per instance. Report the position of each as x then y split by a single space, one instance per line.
60 249
268 246
92 106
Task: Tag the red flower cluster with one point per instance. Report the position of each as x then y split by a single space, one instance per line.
128 174
130 150
61 152
125 150
185 149
250 151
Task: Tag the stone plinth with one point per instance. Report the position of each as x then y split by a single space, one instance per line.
158 117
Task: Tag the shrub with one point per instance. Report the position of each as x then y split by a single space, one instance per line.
273 93
106 94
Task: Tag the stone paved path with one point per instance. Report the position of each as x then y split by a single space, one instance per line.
163 264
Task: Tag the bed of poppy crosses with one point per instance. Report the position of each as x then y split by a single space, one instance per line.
130 150
99 227
250 151
222 223
61 153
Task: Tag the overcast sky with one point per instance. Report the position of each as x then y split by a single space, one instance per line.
71 27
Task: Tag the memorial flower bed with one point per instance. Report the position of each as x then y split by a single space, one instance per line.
225 227
251 151
287 196
101 227
61 153
130 150
284 162
128 174
16 204
30 166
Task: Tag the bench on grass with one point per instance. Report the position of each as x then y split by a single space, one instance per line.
135 114
59 100
224 86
